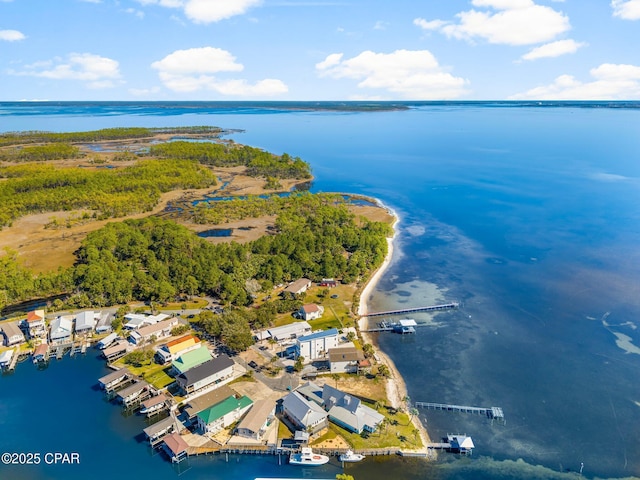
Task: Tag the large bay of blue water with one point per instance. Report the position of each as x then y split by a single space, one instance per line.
528 215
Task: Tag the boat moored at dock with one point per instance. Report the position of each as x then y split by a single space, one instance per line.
308 457
350 456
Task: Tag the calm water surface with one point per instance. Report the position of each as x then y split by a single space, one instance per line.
529 216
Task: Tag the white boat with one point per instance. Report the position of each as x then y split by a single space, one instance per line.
349 456
307 457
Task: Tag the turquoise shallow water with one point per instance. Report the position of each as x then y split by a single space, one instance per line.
530 216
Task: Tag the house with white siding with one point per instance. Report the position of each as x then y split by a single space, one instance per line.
304 414
316 345
12 334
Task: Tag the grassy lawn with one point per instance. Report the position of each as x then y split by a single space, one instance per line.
191 305
153 373
283 431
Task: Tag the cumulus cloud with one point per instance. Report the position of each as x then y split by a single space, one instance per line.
96 71
196 69
553 49
207 11
11 35
413 74
626 9
506 22
610 82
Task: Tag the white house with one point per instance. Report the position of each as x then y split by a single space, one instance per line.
310 311
85 322
160 330
303 414
61 329
316 345
223 414
12 334
345 359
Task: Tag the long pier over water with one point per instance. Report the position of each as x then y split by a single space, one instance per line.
493 413
430 308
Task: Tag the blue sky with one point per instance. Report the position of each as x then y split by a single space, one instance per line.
319 49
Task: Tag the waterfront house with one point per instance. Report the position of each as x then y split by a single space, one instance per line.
175 348
223 414
158 331
310 311
345 359
460 444
304 414
85 322
114 378
213 373
12 334
175 446
130 393
104 322
5 358
255 423
158 430
202 402
61 329
41 353
115 351
34 324
108 340
316 345
286 332
191 359
349 412
299 286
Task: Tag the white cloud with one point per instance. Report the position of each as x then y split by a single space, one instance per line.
507 22
194 69
626 9
136 12
198 60
610 82
143 92
553 49
11 35
429 25
207 11
413 74
380 25
96 71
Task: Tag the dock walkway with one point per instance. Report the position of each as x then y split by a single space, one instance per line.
493 413
430 308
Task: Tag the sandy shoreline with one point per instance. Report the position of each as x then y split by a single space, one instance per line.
396 386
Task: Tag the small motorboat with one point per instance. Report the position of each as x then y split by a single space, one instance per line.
349 456
307 457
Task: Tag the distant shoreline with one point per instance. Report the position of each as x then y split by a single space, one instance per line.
396 386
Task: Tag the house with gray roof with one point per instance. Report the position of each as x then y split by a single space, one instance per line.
61 329
214 372
345 359
304 414
85 322
349 412
12 334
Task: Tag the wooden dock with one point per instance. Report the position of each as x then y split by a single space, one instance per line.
430 308
493 413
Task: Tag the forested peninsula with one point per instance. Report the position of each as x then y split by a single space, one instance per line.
158 257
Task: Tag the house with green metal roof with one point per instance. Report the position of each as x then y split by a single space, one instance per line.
191 359
223 414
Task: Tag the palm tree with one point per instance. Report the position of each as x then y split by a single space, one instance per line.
336 377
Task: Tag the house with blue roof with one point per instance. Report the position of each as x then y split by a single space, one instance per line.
316 345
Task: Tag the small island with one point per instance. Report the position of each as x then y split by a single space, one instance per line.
224 296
